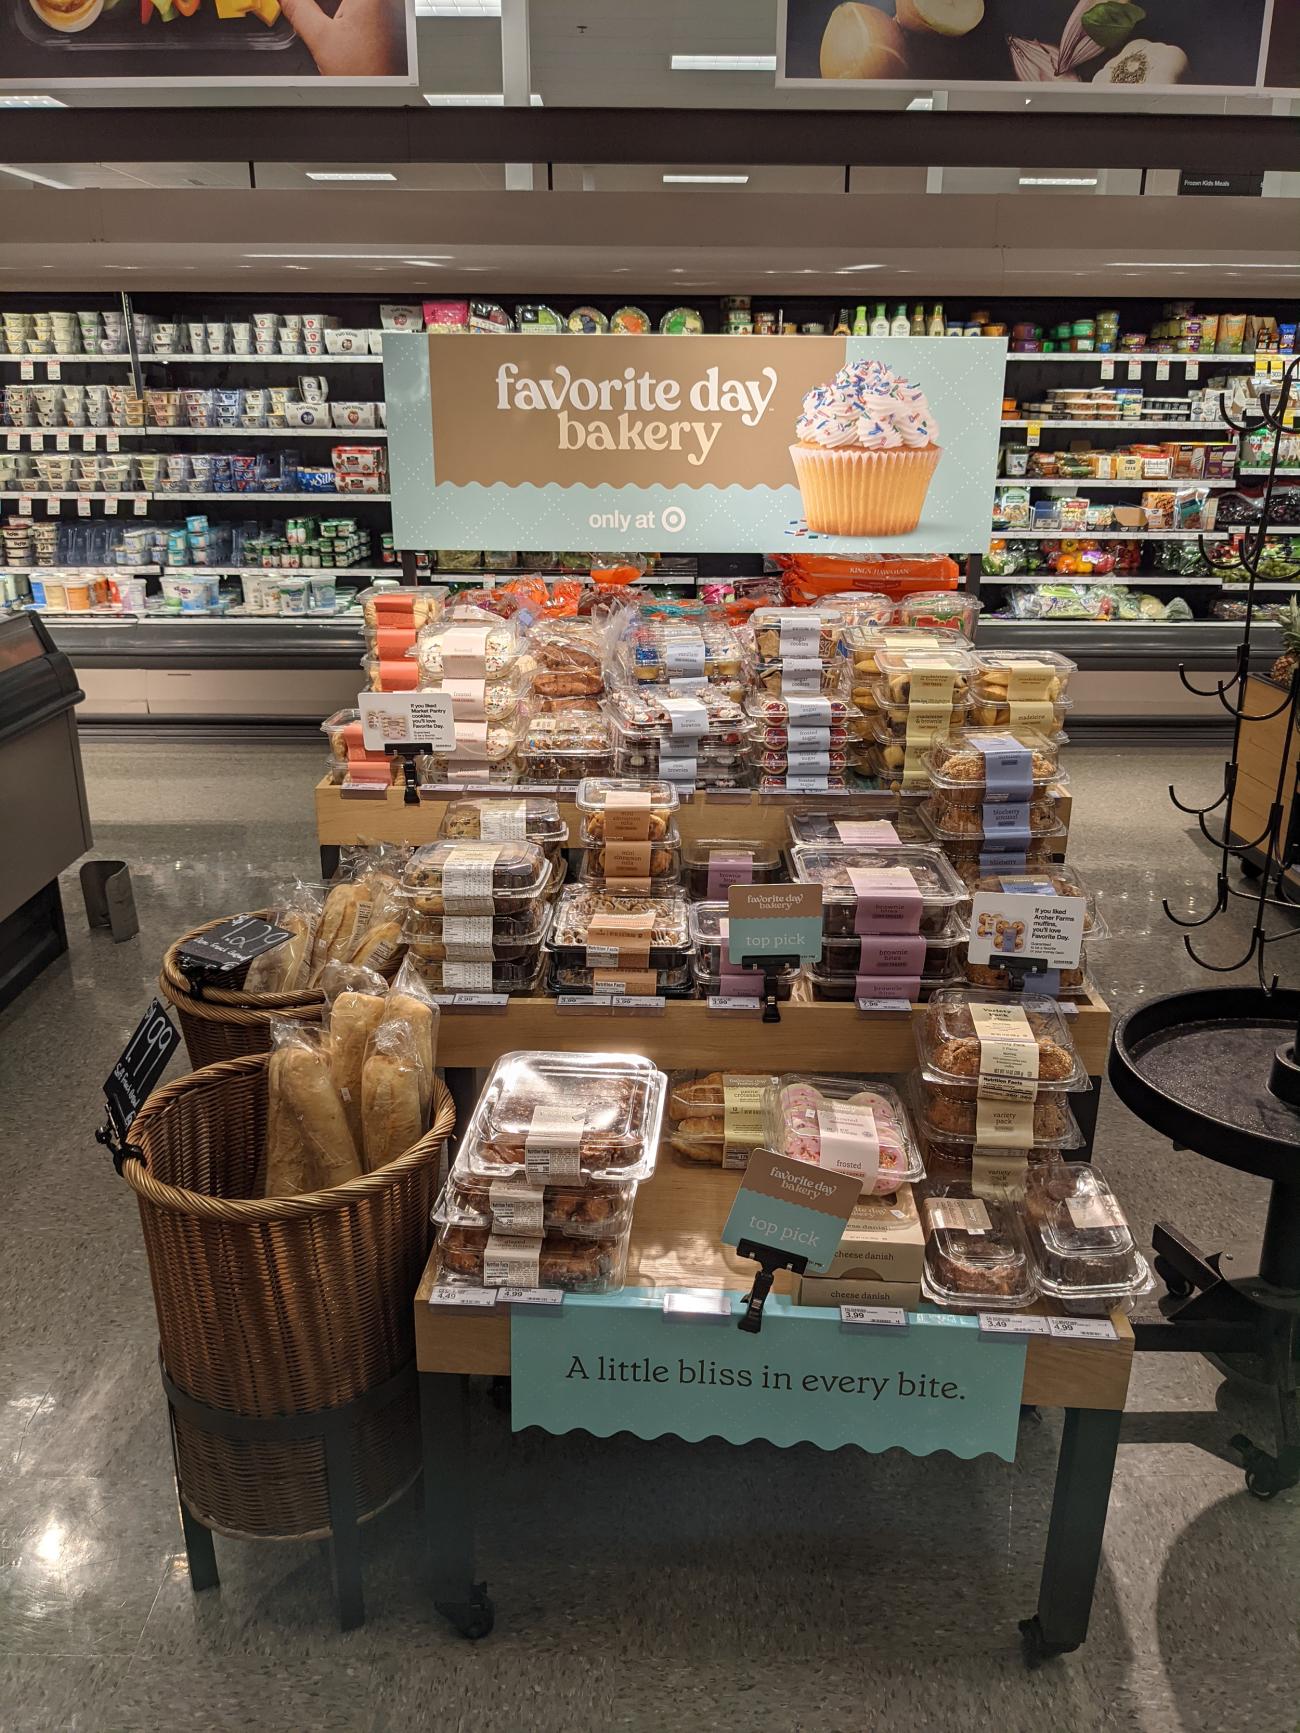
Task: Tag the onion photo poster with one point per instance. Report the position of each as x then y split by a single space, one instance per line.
70 44
706 444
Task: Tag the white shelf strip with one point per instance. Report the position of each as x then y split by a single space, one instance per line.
1043 481
1128 425
1110 535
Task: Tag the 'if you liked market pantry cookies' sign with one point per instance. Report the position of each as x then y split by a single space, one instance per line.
704 444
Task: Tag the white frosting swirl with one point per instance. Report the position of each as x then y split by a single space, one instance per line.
867 405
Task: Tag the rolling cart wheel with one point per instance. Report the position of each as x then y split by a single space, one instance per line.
1035 1646
1249 869
472 1619
1261 1485
1176 1284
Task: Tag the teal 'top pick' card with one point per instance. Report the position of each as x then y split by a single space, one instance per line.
792 1206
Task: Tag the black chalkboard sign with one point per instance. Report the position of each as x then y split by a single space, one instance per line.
232 945
143 1061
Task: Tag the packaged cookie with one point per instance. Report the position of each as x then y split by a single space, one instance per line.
1056 983
563 979
715 1118
567 1118
595 928
513 1206
1021 678
1081 1241
976 1256
992 764
478 938
475 878
467 645
553 1260
565 747
908 888
849 1124
794 710
488 818
797 634
633 868
625 809
655 651
938 674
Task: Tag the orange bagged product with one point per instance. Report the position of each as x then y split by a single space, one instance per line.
810 576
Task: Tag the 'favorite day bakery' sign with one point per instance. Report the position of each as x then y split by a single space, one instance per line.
703 444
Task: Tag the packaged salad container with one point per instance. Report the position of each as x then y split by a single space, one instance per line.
904 888
567 1118
849 1124
976 1255
940 610
1081 1241
513 1206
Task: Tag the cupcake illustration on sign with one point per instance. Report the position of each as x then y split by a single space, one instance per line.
867 449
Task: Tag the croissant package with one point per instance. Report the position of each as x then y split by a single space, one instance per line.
287 968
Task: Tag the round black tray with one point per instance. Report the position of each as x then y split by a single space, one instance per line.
1196 1066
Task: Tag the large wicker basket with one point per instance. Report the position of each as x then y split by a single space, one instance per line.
225 1022
279 1306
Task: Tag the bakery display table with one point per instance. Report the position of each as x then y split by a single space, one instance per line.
675 1245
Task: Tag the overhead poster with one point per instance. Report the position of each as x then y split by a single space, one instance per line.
1110 45
83 43
704 444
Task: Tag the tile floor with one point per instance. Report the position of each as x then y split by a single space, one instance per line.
641 1586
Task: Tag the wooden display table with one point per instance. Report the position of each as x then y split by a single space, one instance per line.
674 1244
1260 748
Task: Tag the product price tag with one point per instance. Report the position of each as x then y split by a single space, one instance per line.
637 1004
88 442
83 506
1193 369
24 505
1021 1324
464 1299
543 1299
873 1318
143 1061
496 1002
110 505
1033 433
584 1004
52 505
233 944
685 1306
1107 367
26 369
725 1005
1082 1329
1162 367
869 1007
14 442
141 504
62 442
1135 369
112 442
54 370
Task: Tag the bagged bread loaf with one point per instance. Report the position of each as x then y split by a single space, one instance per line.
344 918
302 1080
381 941
354 1017
391 1112
336 978
287 968
411 1002
286 1164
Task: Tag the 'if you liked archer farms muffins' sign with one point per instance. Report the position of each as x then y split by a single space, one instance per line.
698 444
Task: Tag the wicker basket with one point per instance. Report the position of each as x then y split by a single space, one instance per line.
225 1022
279 1306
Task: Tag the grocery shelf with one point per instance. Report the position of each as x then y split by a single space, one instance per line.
1293 585
120 359
1122 357
296 498
227 571
1128 424
1259 469
1110 535
1176 481
186 356
1134 580
98 433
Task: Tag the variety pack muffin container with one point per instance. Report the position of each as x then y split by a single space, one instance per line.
567 1118
907 888
475 878
976 1255
949 1043
848 1124
1050 880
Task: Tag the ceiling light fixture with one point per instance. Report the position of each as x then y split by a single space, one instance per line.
40 101
390 258
26 174
705 180
1058 180
457 8
723 62
844 270
472 99
321 175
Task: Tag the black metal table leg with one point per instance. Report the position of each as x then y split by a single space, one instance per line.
345 1537
450 1505
461 1081
200 1552
1085 1106
1084 1471
329 859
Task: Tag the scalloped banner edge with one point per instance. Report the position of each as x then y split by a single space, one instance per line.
787 1443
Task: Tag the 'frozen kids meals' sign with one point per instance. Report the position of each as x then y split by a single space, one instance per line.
707 444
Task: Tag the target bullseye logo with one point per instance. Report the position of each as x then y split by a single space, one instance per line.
672 518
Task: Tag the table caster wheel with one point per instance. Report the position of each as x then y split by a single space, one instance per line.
1261 1486
472 1619
1035 1645
1176 1284
1249 869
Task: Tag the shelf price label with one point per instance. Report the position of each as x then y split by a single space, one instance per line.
53 370
88 442
111 441
1162 367
1108 367
1193 370
141 504
24 505
27 370
38 442
13 441
52 505
62 442
1033 433
110 505
83 506
1135 369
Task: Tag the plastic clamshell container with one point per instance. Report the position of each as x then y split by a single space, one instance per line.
859 826
580 908
965 763
611 1104
791 1107
1052 879
675 983
707 921
795 679
953 821
1069 983
976 1255
641 715
510 1206
710 864
941 890
485 818
578 1265
868 643
662 861
520 975
1079 1233
942 610
815 632
475 878
479 647
569 646
658 747
660 651
902 669
478 938
1025 675
852 956
947 1116
984 712
842 989
800 710
949 1048
593 794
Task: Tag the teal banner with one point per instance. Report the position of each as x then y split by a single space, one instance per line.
613 1363
701 444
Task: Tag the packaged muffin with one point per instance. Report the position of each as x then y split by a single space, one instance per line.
1047 880
715 1117
848 1124
947 1113
908 888
1081 1241
553 1260
513 1206
567 1118
992 764
711 864
478 938
486 818
455 878
594 928
976 1257
961 1039
1058 983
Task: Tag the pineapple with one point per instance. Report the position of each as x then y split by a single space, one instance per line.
1284 667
